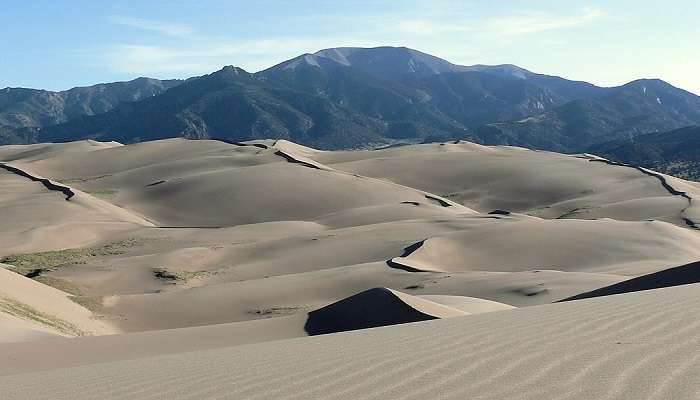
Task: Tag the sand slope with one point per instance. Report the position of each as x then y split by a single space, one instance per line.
178 182
637 345
231 232
37 219
608 246
683 275
29 305
374 307
545 184
216 259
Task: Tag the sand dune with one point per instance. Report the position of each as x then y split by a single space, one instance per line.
36 217
284 224
384 305
27 306
241 184
35 353
637 345
193 251
608 246
16 329
373 308
683 275
540 183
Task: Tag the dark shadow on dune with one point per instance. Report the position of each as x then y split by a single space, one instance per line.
683 275
259 145
499 212
278 153
68 192
294 160
691 223
154 183
407 251
439 200
391 146
369 309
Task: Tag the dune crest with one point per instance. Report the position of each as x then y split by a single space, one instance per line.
373 308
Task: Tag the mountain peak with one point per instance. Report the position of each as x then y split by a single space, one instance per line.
510 70
649 82
657 86
391 63
233 70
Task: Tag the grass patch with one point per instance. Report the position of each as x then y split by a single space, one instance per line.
32 265
68 181
24 311
92 303
178 276
102 192
272 311
85 179
60 284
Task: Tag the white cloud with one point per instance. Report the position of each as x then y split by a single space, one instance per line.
200 57
139 59
536 22
524 23
468 41
161 27
424 27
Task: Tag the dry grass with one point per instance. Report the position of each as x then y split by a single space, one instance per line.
33 264
92 303
24 311
60 284
178 276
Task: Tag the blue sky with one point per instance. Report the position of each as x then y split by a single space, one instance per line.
60 44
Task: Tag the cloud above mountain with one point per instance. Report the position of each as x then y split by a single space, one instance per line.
161 27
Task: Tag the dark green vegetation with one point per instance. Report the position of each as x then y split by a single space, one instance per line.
351 97
676 153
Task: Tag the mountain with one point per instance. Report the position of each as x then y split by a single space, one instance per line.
402 86
346 97
639 107
359 97
232 104
32 108
676 152
390 63
400 111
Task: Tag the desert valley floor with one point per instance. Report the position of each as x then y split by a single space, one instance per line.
187 269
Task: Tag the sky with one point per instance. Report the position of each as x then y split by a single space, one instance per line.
57 45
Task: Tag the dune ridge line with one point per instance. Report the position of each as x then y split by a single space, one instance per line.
669 188
68 192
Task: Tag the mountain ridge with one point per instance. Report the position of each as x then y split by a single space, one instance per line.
363 97
24 109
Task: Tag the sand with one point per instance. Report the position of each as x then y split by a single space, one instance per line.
216 261
539 183
28 307
631 346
